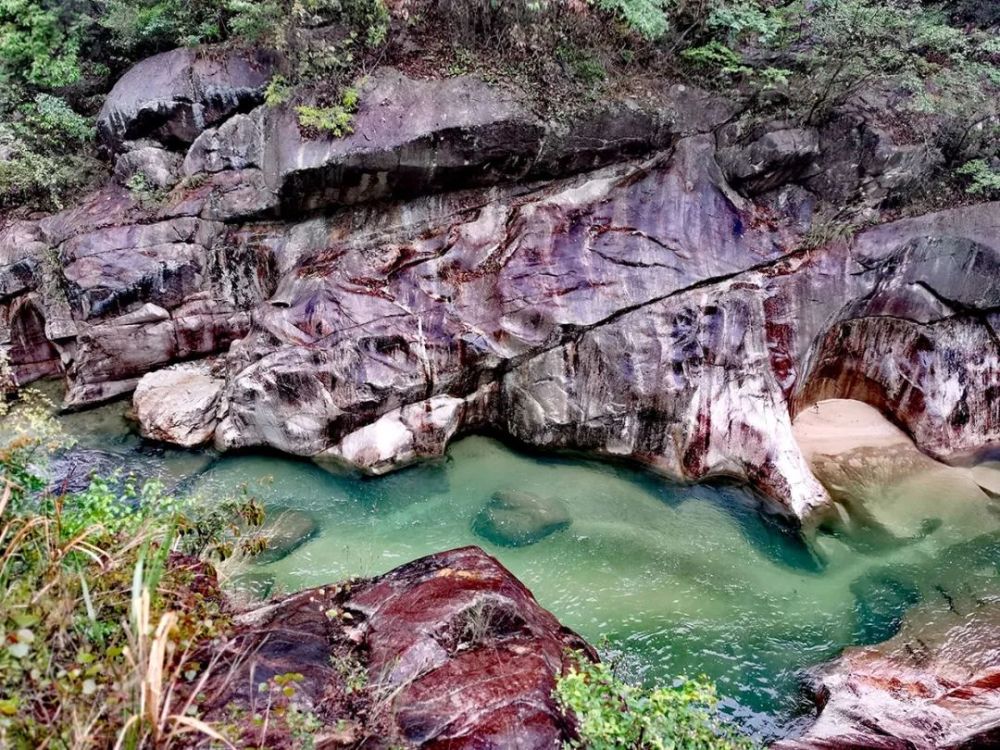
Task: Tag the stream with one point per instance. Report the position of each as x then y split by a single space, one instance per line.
680 579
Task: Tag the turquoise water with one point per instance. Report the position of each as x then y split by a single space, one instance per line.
679 579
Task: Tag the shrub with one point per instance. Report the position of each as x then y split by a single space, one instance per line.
47 158
38 44
647 17
983 179
335 120
255 20
612 714
144 26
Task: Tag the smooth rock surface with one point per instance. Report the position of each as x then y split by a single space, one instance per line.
935 685
173 96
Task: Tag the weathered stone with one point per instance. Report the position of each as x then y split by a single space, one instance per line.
469 656
409 137
934 685
515 519
157 167
775 158
236 144
172 97
178 404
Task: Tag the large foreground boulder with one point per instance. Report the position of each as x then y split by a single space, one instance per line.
449 651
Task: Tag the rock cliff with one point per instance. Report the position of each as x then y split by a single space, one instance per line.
458 264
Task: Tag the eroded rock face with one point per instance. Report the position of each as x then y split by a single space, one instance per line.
936 684
645 310
173 96
467 655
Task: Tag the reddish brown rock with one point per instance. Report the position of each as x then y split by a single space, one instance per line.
934 686
456 652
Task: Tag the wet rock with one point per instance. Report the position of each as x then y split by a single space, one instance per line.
934 685
172 97
468 654
516 519
178 404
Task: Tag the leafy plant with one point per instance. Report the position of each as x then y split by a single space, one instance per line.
335 120
647 17
82 663
143 26
39 45
983 178
612 715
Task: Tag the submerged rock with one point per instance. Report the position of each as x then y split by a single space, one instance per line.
515 519
285 533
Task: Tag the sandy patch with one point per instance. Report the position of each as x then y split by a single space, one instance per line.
841 425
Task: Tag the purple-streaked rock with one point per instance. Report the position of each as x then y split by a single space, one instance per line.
643 311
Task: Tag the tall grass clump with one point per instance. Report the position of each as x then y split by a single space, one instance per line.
105 597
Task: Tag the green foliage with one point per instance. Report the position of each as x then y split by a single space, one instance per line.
47 152
143 192
80 663
277 92
983 179
49 123
820 54
142 26
583 65
255 20
647 17
38 44
335 120
612 714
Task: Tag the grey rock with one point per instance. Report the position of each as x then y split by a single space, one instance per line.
516 519
172 97
157 167
777 157
409 137
178 404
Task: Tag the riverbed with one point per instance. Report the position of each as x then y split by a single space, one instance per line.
679 579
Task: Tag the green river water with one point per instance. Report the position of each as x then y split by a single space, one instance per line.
680 579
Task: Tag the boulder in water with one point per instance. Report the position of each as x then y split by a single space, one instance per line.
286 533
516 519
